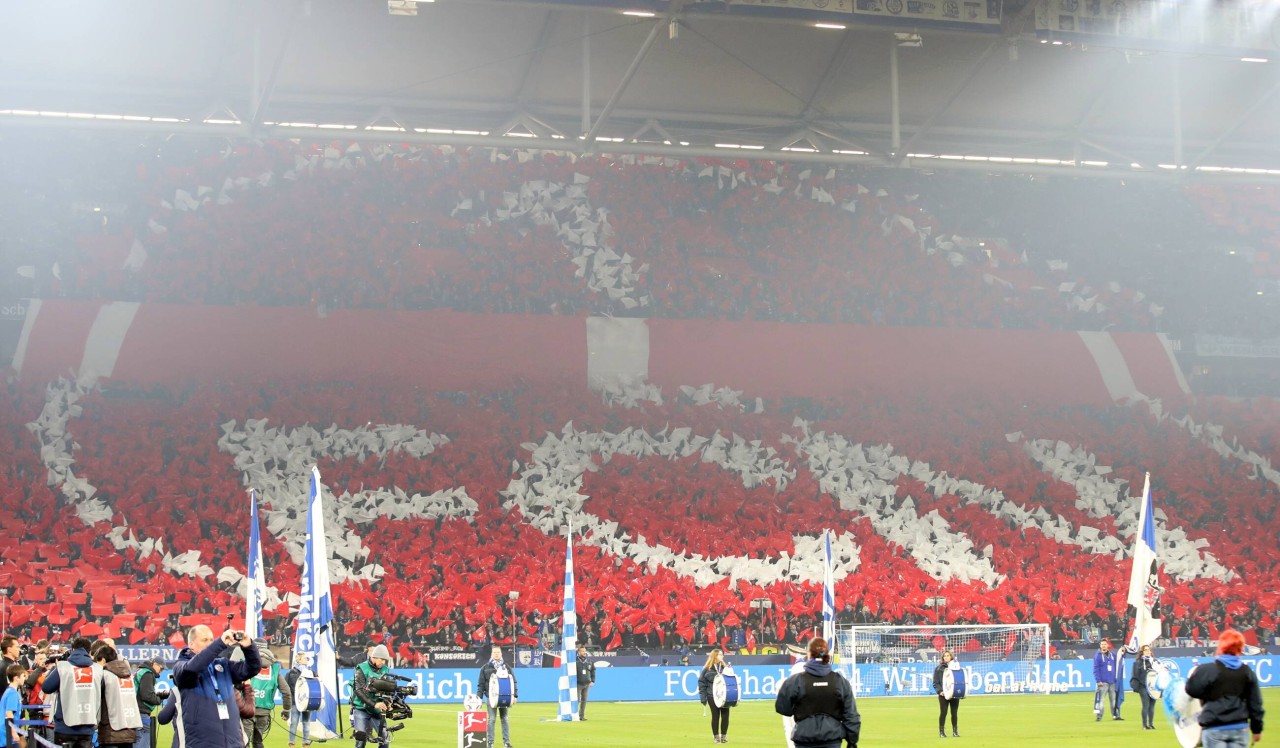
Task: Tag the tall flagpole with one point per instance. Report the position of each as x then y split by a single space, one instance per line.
1144 588
828 593
568 711
255 579
315 621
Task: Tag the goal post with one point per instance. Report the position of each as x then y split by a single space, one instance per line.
899 660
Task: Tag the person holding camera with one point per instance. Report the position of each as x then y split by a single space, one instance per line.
496 667
77 683
368 710
205 679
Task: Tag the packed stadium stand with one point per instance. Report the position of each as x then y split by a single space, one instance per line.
451 335
343 225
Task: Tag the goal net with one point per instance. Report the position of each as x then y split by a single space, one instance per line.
899 660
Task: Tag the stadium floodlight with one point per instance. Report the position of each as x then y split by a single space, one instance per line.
404 7
895 660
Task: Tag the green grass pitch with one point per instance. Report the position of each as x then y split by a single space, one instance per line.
989 721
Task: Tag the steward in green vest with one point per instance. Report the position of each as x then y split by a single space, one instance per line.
266 684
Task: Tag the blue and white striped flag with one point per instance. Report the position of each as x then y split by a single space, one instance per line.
828 594
314 634
569 648
255 583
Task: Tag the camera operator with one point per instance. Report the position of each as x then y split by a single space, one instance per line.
27 654
368 708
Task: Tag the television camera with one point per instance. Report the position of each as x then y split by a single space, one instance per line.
392 690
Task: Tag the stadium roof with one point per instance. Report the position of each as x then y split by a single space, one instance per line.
742 79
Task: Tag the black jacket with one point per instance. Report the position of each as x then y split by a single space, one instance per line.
482 682
147 698
820 729
291 680
937 679
586 672
1138 679
1230 695
705 681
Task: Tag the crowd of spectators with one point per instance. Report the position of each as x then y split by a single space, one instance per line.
335 226
340 225
447 580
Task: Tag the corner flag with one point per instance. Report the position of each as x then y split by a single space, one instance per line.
569 646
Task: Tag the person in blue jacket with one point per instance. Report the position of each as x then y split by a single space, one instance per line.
204 680
822 703
1106 665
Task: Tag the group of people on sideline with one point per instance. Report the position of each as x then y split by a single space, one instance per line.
88 695
223 695
821 710
225 688
1231 700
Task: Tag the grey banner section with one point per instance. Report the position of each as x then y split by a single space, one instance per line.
1111 365
617 349
106 337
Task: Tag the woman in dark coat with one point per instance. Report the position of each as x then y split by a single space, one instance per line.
945 704
1144 664
719 715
